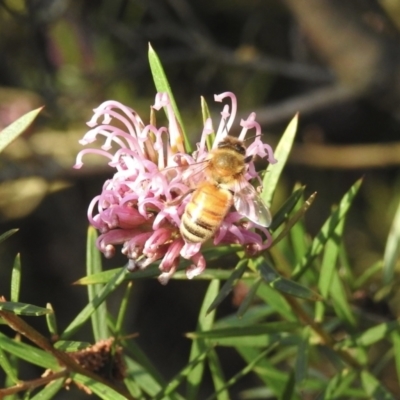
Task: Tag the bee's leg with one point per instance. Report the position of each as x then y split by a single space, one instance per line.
179 199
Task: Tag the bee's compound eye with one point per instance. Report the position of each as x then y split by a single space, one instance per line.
240 148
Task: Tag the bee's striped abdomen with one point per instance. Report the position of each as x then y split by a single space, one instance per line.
205 212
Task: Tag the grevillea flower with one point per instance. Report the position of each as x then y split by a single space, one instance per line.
136 207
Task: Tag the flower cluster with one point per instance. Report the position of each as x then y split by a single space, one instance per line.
136 208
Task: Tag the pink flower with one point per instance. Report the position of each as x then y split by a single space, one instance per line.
136 208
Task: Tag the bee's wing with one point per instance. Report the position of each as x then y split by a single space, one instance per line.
248 203
189 171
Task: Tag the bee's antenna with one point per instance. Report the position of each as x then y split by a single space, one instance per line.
252 137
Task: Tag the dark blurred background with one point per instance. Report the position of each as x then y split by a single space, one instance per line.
336 62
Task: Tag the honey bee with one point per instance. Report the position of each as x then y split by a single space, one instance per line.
223 187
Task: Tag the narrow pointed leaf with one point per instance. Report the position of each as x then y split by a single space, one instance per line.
392 249
229 284
93 266
85 314
204 323
284 285
329 260
289 387
7 234
253 330
340 301
163 86
338 384
326 231
8 368
249 299
28 353
295 218
281 153
16 279
103 391
372 335
11 132
217 375
301 367
69 345
282 214
51 321
374 388
123 307
50 390
206 115
248 368
23 308
174 383
271 376
368 274
395 338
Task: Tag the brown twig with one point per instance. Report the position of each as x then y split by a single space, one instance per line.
326 339
20 326
33 384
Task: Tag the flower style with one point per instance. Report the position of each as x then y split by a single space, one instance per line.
136 208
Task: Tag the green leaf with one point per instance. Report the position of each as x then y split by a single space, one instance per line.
11 132
122 309
205 322
260 341
23 308
283 213
277 302
284 285
162 85
85 314
294 219
395 338
28 353
248 368
338 384
144 372
217 375
252 330
272 377
8 368
51 321
213 253
368 274
7 234
327 231
142 377
392 249
93 266
371 335
50 390
329 260
289 387
206 115
69 345
102 390
374 388
16 279
339 300
249 298
229 284
282 151
174 383
301 367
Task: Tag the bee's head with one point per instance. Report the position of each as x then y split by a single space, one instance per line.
230 142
